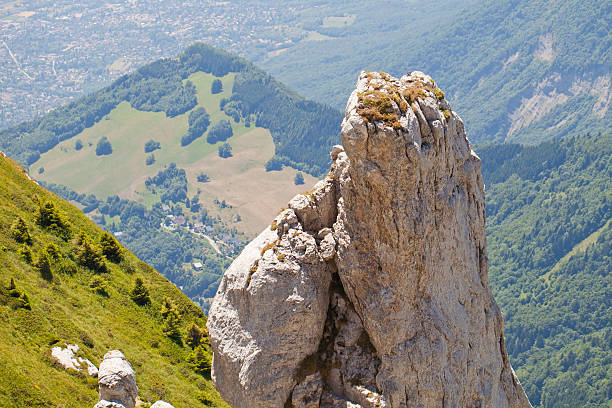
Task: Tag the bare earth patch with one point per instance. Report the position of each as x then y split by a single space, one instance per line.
546 96
545 51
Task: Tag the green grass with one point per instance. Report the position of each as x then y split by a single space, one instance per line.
316 36
65 310
578 248
128 130
338 21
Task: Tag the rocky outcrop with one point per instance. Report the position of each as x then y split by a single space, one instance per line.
116 382
371 290
67 357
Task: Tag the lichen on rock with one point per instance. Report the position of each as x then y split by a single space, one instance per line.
371 290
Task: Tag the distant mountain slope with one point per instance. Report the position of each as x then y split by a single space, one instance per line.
519 70
143 158
549 227
56 287
302 130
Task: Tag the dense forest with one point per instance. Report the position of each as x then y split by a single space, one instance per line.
303 131
549 212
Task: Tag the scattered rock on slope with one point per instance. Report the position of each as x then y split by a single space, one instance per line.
69 360
371 290
116 382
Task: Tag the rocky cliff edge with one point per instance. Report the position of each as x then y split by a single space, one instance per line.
371 290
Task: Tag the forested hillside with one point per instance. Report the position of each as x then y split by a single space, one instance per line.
168 158
303 131
63 280
549 227
518 70
170 250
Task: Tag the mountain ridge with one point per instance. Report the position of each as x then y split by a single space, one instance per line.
157 87
520 71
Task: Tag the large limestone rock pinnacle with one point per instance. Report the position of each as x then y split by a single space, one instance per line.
371 290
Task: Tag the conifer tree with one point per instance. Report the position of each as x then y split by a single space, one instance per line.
24 301
194 335
25 253
110 247
299 179
20 231
140 293
89 255
49 217
172 326
44 267
200 361
52 252
103 147
217 86
172 320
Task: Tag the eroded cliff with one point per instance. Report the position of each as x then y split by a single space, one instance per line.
371 290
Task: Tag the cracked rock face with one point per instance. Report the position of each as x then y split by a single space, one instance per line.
116 382
371 290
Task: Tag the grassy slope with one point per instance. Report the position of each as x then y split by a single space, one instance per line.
124 171
577 250
66 310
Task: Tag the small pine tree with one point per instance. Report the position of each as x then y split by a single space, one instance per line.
25 253
24 301
172 320
53 252
200 360
44 267
110 247
167 307
299 179
89 255
225 150
20 231
172 327
203 178
150 159
49 217
98 285
21 297
194 335
151 146
140 293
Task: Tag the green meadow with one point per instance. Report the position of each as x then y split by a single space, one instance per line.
235 179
